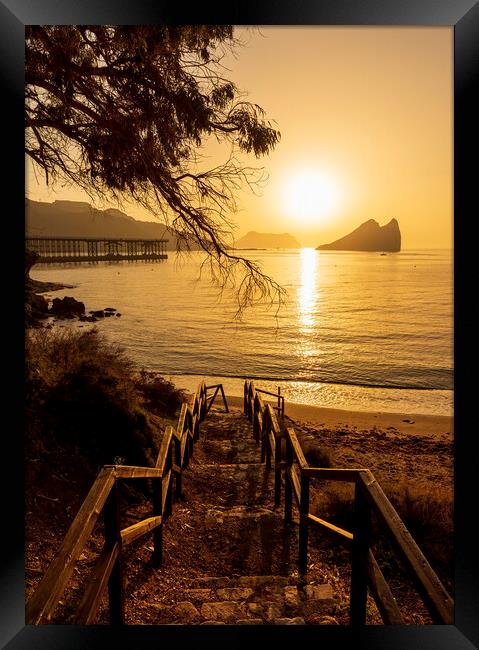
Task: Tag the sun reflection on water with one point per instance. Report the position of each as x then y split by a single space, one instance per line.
307 292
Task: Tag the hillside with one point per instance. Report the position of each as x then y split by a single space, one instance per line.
255 239
80 219
369 236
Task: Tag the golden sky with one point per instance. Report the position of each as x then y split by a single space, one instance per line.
365 115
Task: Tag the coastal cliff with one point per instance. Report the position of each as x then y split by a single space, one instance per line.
369 236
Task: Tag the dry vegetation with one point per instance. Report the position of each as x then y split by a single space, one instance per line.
86 404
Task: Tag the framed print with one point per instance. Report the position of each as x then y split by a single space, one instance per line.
355 155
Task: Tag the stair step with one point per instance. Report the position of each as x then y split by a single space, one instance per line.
231 451
251 600
231 484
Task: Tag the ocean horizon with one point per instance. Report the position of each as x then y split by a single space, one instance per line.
359 331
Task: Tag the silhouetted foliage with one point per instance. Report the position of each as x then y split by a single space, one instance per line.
123 112
83 391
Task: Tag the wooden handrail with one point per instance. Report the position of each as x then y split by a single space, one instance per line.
53 583
102 496
369 496
436 598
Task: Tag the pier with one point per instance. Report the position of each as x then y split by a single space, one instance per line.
90 249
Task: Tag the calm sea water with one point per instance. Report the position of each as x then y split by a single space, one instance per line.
359 330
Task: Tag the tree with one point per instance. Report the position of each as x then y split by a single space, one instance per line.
123 112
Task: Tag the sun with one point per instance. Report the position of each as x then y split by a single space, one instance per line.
310 195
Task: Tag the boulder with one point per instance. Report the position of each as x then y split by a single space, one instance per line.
67 307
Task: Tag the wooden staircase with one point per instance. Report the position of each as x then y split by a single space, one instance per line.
246 569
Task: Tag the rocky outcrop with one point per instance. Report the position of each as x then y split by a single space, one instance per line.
369 236
267 240
67 307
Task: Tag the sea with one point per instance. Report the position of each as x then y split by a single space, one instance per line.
356 331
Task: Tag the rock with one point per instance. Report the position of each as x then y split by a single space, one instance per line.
318 598
228 612
117 314
213 623
99 313
250 621
200 595
260 581
186 613
369 236
38 302
67 307
109 309
289 621
291 600
235 593
272 611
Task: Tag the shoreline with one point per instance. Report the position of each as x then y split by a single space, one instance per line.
395 423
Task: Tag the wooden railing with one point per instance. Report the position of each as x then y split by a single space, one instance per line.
369 499
173 457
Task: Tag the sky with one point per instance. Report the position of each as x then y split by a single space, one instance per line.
366 122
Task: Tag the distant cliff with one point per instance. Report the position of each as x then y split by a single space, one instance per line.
267 240
369 236
80 219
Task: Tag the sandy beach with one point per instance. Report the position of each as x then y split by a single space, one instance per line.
397 447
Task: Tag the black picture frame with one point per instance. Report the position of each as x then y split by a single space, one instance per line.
463 15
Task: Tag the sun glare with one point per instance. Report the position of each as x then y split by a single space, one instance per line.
310 195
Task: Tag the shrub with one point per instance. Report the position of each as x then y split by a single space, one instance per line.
316 455
161 396
82 390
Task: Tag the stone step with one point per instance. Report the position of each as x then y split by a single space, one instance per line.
231 451
251 600
249 540
230 484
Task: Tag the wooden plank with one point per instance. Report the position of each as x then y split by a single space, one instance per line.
272 443
164 449
112 527
224 398
181 419
298 452
93 595
360 558
333 473
436 598
131 471
165 484
303 526
385 601
130 534
335 531
295 483
274 420
45 598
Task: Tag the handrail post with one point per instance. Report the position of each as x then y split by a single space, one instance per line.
111 514
157 556
177 448
360 557
256 419
303 525
279 400
266 442
277 470
288 488
245 397
264 429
